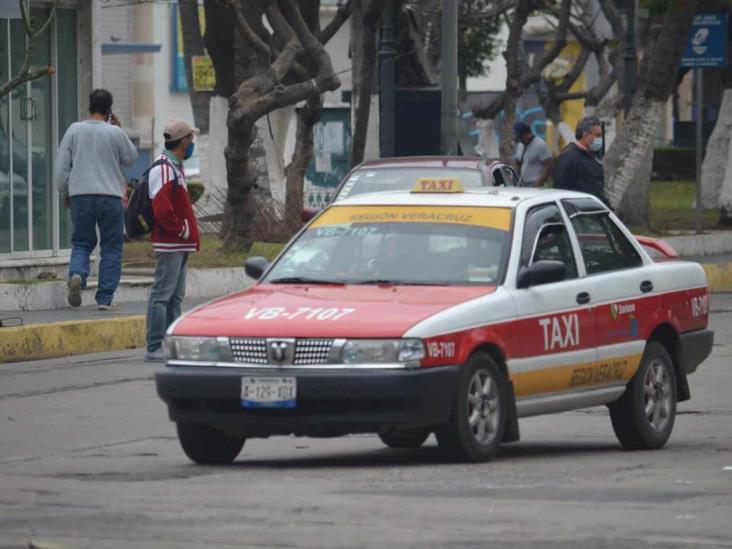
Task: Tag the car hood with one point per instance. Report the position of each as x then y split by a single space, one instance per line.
323 311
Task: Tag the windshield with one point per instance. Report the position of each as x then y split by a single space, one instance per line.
398 245
403 179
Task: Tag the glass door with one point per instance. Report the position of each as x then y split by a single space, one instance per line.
33 118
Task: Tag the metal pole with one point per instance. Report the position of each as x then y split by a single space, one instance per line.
387 96
449 77
698 72
629 58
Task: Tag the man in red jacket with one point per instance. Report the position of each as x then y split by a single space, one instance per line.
174 234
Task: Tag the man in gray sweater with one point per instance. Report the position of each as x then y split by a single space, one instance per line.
90 181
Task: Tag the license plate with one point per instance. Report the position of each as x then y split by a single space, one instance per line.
268 392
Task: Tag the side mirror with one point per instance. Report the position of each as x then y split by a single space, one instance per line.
541 272
255 266
308 214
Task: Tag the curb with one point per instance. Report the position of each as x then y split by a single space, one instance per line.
56 339
719 276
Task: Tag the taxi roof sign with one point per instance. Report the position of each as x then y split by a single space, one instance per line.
437 185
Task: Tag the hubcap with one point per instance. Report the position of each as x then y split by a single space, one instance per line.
483 409
657 395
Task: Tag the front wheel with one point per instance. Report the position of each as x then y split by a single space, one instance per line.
479 412
644 416
208 446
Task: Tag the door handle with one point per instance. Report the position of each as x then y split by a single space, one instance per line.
646 286
583 297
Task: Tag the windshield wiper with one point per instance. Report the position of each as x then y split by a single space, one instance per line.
398 282
304 280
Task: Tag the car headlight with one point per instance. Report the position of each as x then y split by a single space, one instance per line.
375 351
199 349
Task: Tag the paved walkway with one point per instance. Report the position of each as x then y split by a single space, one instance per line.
89 313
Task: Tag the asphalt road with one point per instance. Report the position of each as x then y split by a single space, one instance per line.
89 459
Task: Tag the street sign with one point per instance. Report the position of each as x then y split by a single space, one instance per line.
707 46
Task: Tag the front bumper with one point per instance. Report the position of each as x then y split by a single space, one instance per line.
329 402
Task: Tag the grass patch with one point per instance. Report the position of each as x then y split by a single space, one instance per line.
140 254
672 209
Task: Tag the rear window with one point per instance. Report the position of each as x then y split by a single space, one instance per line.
403 179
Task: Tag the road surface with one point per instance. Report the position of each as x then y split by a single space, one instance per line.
88 459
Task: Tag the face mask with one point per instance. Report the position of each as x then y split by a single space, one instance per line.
189 151
596 144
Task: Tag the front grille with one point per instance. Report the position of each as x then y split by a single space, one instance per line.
249 350
253 350
312 351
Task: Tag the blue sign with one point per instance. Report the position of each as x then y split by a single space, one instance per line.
707 45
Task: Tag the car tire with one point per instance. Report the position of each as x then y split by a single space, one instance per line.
208 446
644 416
395 437
478 417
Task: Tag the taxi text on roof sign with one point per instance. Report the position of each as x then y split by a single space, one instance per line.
495 218
438 185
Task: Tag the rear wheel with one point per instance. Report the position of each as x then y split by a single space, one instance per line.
479 412
404 437
644 416
208 446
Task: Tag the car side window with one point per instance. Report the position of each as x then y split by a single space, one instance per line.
546 238
604 247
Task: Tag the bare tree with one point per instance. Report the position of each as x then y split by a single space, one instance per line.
364 30
25 74
307 116
520 74
285 66
631 151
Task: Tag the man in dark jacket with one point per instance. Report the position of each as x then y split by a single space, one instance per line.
578 167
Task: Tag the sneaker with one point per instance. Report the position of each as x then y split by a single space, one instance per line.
158 355
107 306
75 290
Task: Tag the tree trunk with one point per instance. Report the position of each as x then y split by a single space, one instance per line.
624 161
716 158
241 176
364 31
219 42
193 45
307 116
506 146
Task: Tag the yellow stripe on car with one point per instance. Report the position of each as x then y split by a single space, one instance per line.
494 218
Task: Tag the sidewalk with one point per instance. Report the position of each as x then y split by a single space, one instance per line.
63 332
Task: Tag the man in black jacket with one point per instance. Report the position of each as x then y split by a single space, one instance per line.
578 168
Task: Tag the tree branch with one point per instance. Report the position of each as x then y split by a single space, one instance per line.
25 74
246 31
342 14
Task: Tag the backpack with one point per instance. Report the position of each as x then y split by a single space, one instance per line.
139 218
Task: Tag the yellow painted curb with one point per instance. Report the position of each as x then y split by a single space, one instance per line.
38 341
719 276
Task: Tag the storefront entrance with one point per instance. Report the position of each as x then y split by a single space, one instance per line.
33 118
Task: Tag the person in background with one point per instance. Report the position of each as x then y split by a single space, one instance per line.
174 234
578 167
89 178
533 159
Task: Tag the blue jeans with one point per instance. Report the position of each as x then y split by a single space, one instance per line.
87 212
166 295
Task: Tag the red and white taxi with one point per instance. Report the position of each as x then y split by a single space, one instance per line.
441 310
